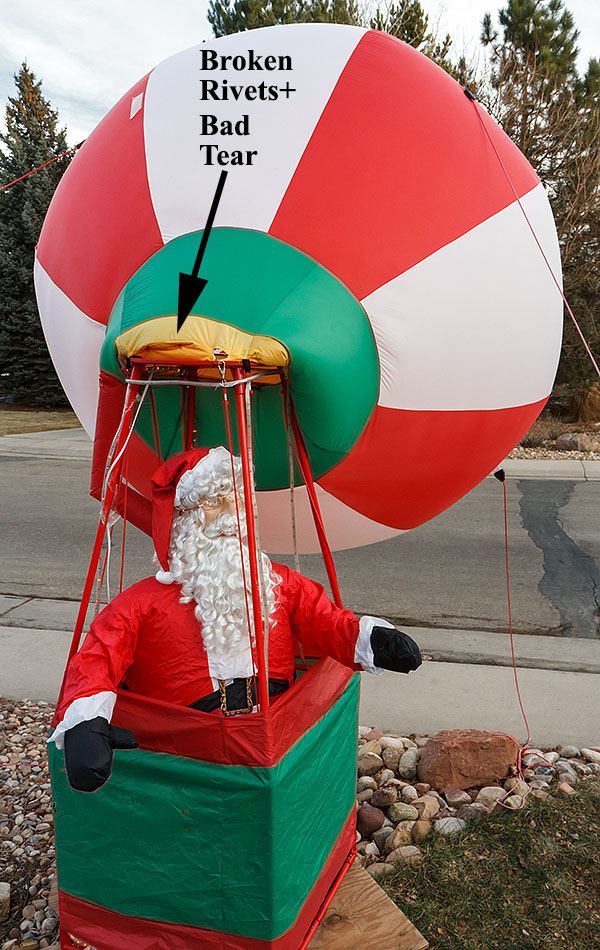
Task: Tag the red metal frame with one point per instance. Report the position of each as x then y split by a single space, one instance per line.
188 414
328 899
304 466
111 487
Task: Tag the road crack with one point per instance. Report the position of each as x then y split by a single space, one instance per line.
571 580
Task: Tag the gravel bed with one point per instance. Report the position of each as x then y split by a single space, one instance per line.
520 452
27 853
395 810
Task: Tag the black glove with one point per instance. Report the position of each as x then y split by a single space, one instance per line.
394 650
89 752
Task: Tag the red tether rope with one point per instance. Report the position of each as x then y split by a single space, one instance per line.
55 159
524 748
537 241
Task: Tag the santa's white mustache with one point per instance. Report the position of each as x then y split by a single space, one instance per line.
224 524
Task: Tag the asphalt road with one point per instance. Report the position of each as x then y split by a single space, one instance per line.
448 573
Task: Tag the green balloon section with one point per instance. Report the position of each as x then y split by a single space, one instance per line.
263 286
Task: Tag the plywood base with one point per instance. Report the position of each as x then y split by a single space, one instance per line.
362 917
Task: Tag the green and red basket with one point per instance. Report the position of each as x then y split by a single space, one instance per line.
217 833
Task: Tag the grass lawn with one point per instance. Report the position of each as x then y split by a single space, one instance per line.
14 421
514 881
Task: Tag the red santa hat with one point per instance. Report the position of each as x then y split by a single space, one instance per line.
164 487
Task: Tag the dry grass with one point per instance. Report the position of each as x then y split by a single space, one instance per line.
15 421
516 881
546 430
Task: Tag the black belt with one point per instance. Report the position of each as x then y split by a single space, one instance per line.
238 697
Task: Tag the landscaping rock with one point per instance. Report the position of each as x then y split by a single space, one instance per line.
420 830
540 794
565 789
392 742
391 757
4 901
512 803
578 442
408 854
591 755
369 764
472 812
374 733
380 870
463 758
580 769
516 786
369 748
532 758
380 837
568 778
401 811
427 807
400 836
367 781
385 776
490 795
409 793
570 752
456 797
449 826
407 767
369 820
384 797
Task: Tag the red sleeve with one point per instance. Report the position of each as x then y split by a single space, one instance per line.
107 651
321 627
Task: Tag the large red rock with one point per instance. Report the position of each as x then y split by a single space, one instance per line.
464 758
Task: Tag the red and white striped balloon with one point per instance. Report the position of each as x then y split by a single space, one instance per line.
378 167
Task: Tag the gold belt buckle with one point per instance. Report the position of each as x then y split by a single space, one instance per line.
236 712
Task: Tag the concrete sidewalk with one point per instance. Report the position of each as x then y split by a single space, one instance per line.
467 683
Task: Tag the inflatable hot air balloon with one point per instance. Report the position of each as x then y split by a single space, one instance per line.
373 272
376 239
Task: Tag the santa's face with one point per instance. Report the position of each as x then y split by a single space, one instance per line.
224 504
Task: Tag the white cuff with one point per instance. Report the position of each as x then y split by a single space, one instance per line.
83 709
363 652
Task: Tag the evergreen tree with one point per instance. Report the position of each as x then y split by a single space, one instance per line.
407 20
31 138
553 115
235 16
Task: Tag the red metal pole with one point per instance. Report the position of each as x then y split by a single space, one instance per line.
328 899
155 430
254 577
304 465
106 505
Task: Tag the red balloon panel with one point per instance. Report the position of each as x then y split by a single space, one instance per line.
101 224
417 464
397 167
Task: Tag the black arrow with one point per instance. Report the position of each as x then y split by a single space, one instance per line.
190 285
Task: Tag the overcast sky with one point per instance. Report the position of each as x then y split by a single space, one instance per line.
89 52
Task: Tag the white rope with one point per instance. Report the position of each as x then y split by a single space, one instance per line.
261 575
292 478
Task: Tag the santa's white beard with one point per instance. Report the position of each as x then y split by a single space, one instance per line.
207 562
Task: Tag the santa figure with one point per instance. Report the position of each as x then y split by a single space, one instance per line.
183 636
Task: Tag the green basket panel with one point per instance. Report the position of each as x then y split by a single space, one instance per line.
222 847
